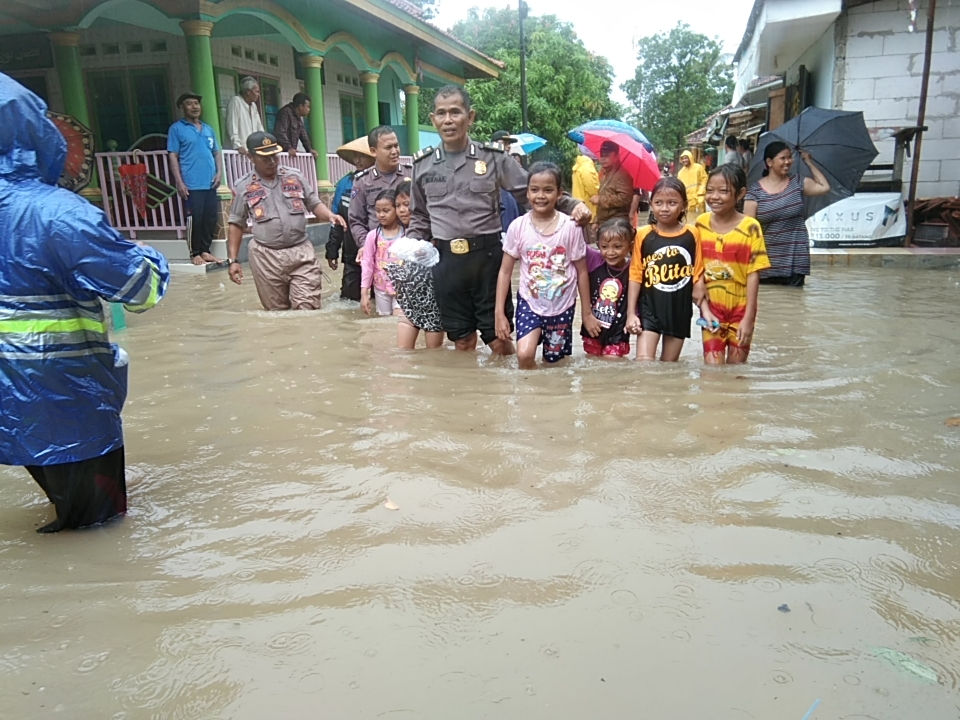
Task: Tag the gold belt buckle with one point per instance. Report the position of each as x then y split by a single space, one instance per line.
459 246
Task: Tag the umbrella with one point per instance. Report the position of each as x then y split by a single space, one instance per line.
353 149
528 142
615 125
634 157
838 142
78 169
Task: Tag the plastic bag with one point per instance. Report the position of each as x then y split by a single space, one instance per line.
413 250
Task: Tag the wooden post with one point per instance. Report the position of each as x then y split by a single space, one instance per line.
921 118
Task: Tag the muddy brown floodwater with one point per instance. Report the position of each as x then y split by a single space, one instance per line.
597 540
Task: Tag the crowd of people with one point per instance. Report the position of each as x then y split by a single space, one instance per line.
697 250
704 244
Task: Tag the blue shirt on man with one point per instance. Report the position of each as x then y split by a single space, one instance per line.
196 148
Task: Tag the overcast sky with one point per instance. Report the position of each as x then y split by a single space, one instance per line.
615 34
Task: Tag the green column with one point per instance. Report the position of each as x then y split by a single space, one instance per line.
313 84
412 93
66 57
200 60
371 99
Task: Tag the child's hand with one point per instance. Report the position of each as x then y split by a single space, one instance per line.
745 333
365 300
633 325
709 316
699 292
502 327
592 325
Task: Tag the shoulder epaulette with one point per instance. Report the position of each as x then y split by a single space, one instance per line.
496 147
426 152
361 173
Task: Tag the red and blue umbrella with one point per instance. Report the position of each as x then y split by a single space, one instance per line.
639 162
612 125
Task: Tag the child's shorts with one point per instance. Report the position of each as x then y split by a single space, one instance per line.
556 333
386 303
592 346
717 341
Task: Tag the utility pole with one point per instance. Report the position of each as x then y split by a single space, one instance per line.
523 67
921 119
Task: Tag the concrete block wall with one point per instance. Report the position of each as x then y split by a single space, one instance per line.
881 76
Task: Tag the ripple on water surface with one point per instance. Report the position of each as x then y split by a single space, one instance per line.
757 532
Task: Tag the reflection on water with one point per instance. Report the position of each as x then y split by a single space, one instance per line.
601 539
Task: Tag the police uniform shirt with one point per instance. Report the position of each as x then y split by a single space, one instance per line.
457 195
277 207
367 184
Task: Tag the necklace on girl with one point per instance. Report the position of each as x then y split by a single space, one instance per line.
548 229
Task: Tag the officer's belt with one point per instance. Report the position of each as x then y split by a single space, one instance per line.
462 246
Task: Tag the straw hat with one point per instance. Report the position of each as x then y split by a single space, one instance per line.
350 151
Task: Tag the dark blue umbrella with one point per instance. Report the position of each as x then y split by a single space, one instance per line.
614 125
838 142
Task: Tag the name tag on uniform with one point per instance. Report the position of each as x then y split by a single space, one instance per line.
254 197
292 188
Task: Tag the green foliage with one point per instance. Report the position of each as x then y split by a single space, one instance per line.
566 84
427 7
679 82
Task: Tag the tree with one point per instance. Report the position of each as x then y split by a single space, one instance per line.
428 8
566 84
680 81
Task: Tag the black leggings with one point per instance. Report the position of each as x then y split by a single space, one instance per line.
87 492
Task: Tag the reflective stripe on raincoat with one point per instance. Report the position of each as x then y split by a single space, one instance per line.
62 383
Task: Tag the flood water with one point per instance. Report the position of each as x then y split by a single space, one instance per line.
596 540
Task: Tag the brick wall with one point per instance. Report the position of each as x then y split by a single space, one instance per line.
881 76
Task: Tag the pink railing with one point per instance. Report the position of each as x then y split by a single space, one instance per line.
169 215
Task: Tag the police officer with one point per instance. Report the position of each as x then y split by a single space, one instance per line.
386 174
456 202
285 268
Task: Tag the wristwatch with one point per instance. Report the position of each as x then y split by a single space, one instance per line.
231 261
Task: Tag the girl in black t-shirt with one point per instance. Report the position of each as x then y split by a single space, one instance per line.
609 275
665 268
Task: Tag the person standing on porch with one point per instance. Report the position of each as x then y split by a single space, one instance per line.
284 265
243 115
197 166
290 129
386 174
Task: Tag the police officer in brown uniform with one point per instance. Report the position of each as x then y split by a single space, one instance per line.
285 268
386 174
456 203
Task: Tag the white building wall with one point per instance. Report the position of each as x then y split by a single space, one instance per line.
881 77
284 72
819 60
334 88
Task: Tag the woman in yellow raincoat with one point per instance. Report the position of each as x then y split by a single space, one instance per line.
694 177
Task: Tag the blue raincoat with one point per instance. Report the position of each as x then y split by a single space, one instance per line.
62 383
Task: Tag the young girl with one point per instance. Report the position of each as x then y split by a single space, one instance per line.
733 255
413 284
551 251
608 271
376 255
666 267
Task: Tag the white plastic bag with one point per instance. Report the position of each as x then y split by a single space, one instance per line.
413 250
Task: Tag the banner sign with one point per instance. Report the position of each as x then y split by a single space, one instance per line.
864 220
